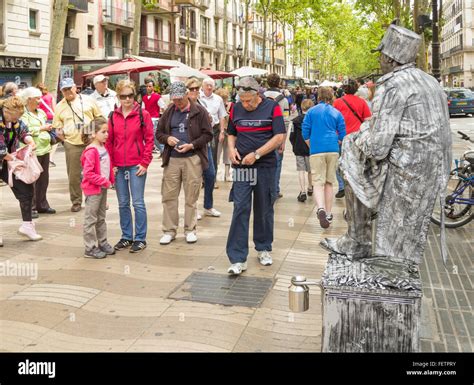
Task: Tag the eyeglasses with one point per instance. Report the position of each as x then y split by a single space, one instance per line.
128 96
193 89
246 88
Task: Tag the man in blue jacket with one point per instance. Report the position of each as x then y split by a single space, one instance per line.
323 128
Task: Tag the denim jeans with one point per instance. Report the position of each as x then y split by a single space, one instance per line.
209 176
340 180
264 197
279 158
126 184
158 145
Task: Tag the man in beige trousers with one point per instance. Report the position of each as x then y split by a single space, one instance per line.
185 130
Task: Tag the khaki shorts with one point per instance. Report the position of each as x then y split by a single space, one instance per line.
323 167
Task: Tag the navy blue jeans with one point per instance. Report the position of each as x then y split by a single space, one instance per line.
209 176
126 184
264 197
278 170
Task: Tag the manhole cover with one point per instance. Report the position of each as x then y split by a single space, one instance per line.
223 289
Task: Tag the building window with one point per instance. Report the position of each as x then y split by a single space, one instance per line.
90 36
33 24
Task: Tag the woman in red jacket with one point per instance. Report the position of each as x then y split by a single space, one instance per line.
130 145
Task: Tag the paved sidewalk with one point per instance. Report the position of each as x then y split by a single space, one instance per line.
128 302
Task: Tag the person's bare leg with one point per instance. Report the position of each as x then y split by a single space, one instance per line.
310 179
329 197
302 181
319 195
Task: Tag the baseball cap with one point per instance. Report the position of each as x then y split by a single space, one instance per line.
248 84
67 83
99 78
178 90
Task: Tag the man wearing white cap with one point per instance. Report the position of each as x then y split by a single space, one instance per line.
398 163
105 98
71 115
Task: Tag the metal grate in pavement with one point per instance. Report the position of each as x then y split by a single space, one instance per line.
223 289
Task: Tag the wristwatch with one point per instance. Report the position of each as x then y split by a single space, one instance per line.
257 155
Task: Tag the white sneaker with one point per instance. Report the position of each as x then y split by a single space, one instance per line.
191 237
237 268
265 258
199 217
166 239
27 229
212 212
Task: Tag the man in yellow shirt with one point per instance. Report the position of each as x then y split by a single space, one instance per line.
71 116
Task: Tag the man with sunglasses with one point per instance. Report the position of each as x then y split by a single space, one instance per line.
71 115
256 128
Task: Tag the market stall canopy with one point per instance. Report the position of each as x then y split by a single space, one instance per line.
127 66
185 72
248 71
218 74
327 83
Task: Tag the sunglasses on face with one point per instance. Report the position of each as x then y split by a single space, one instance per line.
128 96
246 88
193 89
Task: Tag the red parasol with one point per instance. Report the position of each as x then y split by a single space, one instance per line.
217 74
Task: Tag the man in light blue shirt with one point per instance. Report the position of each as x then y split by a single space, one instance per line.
323 128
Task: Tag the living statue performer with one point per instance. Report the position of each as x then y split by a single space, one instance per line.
399 161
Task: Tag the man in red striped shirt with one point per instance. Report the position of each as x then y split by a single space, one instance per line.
256 128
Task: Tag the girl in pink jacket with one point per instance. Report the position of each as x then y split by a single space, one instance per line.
97 177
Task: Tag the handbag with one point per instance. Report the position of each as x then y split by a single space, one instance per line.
24 166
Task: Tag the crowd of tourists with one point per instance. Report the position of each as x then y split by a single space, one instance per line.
109 139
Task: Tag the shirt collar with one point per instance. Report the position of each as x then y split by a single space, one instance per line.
203 95
187 109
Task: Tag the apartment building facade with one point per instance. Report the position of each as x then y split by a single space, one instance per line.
24 40
457 43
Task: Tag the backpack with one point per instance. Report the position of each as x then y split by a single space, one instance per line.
278 99
140 112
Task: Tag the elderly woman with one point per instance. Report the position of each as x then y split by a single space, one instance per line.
222 147
36 119
12 132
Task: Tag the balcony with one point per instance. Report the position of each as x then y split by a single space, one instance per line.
158 6
257 31
193 3
219 11
117 17
183 33
116 52
203 4
71 46
160 47
79 6
455 69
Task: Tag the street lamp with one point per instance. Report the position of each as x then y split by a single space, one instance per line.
239 53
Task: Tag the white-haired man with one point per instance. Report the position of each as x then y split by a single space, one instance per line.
256 128
105 98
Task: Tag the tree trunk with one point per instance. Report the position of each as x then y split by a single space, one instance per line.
246 38
224 58
396 9
136 27
56 45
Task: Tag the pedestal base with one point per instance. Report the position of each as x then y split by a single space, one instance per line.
370 305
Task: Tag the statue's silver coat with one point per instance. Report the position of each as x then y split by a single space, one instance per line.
396 166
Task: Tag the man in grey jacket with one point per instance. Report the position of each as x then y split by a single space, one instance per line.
399 161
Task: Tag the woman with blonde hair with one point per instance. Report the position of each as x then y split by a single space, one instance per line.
130 144
12 132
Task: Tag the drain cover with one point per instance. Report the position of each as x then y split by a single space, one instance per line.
223 289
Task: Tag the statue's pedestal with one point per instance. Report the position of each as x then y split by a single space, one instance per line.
370 305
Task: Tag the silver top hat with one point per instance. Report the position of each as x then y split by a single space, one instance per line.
400 44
